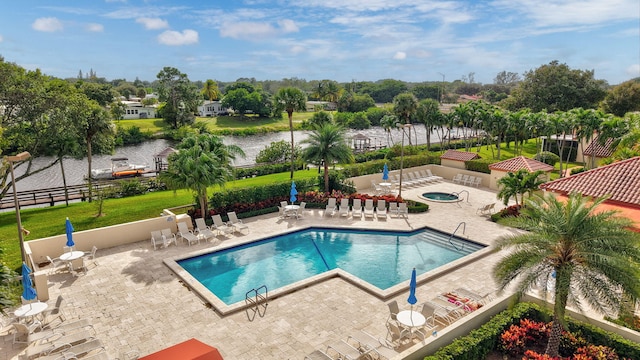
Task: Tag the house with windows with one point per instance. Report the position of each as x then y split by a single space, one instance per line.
321 105
212 108
136 110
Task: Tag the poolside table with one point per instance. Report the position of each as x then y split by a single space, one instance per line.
411 319
70 256
291 210
31 309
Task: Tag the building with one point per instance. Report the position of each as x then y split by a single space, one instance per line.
500 169
313 106
456 159
212 108
135 110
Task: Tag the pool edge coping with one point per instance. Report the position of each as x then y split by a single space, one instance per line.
223 309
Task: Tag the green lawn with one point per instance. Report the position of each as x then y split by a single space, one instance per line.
49 221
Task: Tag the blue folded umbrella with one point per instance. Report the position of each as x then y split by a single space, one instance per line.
385 172
29 293
69 229
293 192
412 289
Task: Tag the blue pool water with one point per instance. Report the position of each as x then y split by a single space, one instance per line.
382 258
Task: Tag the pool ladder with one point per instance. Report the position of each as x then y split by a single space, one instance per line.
257 299
464 229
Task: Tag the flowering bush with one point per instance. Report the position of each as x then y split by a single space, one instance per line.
593 352
518 337
532 355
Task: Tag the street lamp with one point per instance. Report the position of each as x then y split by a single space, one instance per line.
401 126
442 92
13 159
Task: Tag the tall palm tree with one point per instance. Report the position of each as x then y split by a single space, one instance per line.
591 253
327 144
96 122
290 99
201 161
211 90
388 122
428 112
405 106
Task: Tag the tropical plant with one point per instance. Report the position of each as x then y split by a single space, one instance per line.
180 96
405 106
428 113
290 100
201 161
591 253
516 185
210 90
327 144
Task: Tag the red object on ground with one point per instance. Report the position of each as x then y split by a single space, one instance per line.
189 350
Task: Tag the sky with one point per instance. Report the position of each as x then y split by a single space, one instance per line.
342 40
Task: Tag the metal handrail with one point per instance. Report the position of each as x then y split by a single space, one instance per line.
464 229
459 193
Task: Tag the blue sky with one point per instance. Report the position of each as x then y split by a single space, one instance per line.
343 40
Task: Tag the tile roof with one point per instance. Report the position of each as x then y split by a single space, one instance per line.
520 162
599 150
620 180
459 155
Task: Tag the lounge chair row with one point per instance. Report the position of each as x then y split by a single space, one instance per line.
357 210
467 180
417 178
164 238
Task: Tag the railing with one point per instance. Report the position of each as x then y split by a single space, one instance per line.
464 229
459 194
257 300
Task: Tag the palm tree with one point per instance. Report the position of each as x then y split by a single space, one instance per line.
591 253
327 144
211 90
290 99
428 113
517 184
405 106
389 122
97 122
201 161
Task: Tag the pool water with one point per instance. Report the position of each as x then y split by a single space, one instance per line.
440 196
381 258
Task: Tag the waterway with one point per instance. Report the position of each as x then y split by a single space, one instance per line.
76 169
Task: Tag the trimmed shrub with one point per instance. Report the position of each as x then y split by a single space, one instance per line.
547 157
479 165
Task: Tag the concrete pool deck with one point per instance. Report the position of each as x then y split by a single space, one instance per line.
136 303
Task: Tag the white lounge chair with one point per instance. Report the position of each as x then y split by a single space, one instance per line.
356 209
381 210
486 209
464 180
203 230
393 208
55 313
169 237
344 207
221 226
344 351
236 223
403 209
186 234
477 181
156 239
438 178
369 210
331 207
457 178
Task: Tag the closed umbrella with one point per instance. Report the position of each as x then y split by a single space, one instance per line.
29 293
293 192
412 292
69 229
385 172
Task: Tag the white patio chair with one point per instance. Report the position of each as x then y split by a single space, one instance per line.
377 188
393 208
464 179
91 255
381 210
344 207
403 209
457 178
203 230
236 223
477 181
156 239
356 209
301 209
186 234
331 207
55 264
470 180
169 237
369 210
221 226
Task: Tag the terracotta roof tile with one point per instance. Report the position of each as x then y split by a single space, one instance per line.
459 155
520 162
599 150
620 180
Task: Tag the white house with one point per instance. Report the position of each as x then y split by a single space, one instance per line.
135 110
211 108
324 105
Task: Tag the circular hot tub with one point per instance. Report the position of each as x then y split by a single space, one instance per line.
440 197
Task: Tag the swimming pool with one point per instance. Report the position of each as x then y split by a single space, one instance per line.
380 258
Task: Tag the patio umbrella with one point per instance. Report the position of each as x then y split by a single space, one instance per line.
29 293
69 229
293 192
412 291
385 172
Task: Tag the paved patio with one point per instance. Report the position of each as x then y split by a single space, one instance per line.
136 303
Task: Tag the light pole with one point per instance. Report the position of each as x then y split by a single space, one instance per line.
12 159
401 126
442 92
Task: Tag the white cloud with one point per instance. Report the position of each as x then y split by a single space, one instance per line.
93 27
152 23
288 26
177 38
633 70
400 55
47 24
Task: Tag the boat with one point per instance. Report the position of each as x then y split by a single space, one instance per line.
120 167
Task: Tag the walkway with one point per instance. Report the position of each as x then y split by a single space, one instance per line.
136 303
